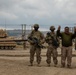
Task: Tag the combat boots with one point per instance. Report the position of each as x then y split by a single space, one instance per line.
63 65
55 65
31 64
69 66
48 65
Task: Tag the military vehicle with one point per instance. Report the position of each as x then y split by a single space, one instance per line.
5 41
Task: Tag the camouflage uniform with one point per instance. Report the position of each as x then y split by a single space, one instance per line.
52 50
33 48
66 52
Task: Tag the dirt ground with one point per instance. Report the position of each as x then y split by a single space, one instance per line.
15 62
19 66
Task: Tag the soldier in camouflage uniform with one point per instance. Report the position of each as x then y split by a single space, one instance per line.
52 50
34 49
66 50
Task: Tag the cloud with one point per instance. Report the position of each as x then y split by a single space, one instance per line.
7 15
44 12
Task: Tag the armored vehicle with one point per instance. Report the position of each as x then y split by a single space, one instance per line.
5 41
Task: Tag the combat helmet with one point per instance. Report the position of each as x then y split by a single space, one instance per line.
52 28
36 26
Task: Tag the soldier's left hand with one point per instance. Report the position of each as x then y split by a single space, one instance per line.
75 29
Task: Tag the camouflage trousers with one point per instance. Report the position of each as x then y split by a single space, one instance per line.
66 52
52 51
34 50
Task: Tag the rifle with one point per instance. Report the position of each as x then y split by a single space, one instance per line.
54 41
36 42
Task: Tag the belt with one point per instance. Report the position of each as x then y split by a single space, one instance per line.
66 46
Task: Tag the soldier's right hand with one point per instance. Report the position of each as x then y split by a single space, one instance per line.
31 42
59 27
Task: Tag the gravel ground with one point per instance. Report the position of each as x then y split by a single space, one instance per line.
19 66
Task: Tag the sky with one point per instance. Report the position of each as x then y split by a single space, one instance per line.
43 12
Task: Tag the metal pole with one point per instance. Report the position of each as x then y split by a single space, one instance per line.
24 45
75 38
75 43
32 28
22 32
23 35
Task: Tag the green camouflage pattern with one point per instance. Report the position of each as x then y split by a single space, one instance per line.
34 49
51 50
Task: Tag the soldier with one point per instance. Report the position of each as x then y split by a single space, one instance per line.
34 47
52 49
66 50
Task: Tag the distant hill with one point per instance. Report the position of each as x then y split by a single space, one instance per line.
19 32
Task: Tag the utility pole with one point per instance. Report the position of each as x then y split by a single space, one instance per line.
24 35
5 25
75 43
24 46
75 37
22 32
32 28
